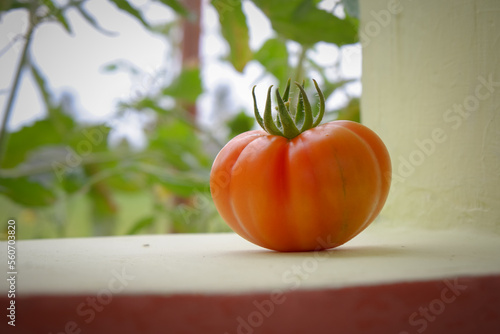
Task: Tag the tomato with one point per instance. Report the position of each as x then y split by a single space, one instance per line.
309 191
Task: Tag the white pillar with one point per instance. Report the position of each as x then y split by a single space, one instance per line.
431 90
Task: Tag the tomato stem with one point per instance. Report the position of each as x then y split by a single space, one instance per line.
269 124
287 123
289 128
308 116
321 112
287 90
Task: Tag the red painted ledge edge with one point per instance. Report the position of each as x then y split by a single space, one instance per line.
453 305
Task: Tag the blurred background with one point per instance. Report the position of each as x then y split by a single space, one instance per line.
112 111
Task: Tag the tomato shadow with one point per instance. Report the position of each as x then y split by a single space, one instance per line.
369 251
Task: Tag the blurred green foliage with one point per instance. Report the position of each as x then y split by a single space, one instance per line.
59 177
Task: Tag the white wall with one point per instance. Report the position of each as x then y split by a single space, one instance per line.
431 90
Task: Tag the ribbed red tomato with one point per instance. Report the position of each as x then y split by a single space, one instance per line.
314 191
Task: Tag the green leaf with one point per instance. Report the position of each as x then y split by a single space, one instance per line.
128 181
351 111
141 224
52 130
180 146
104 206
187 86
5 5
235 31
177 7
150 104
110 67
62 123
303 22
42 85
73 180
91 20
58 14
165 29
273 55
19 4
240 123
25 192
90 139
183 184
30 137
121 65
127 7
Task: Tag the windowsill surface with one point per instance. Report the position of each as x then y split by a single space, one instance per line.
223 263
382 281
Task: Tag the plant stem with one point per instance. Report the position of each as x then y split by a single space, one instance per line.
299 75
191 44
13 92
300 65
15 87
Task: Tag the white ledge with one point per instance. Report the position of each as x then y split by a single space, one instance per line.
226 263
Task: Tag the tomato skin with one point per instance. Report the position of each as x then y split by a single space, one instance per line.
315 191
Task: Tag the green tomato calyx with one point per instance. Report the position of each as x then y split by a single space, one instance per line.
289 123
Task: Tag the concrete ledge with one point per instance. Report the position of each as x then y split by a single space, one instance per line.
459 306
383 281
